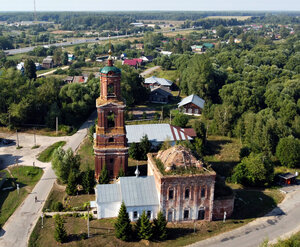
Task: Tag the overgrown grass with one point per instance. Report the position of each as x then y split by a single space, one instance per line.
56 195
46 155
26 177
293 241
86 153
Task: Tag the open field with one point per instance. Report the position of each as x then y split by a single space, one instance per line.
10 199
239 18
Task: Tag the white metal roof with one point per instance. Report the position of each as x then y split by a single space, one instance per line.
134 191
155 133
192 99
160 81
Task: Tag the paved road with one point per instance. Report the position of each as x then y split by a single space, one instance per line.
282 222
74 42
17 229
52 71
149 71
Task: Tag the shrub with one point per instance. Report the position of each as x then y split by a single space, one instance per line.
123 228
57 207
160 227
60 233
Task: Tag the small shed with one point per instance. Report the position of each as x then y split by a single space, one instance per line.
287 178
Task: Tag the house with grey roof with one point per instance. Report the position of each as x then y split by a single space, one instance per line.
160 95
138 193
153 82
192 105
48 62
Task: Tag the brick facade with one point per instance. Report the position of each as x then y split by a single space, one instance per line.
184 197
222 205
110 144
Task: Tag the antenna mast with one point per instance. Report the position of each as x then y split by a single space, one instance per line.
35 19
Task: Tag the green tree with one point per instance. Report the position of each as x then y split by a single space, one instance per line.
180 120
121 172
200 130
254 170
144 230
144 147
57 56
60 233
30 69
72 184
64 58
104 178
134 151
123 229
160 227
199 146
288 151
88 181
63 162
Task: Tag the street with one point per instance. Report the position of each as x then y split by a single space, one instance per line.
17 229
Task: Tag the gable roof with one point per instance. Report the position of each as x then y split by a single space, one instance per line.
48 60
192 99
134 191
160 91
160 81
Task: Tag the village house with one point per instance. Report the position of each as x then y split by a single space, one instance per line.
147 59
135 62
48 63
192 105
160 95
154 82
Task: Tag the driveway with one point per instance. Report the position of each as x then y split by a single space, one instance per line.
282 222
17 229
149 71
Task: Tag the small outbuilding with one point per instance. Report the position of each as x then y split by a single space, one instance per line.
160 95
192 105
287 178
48 63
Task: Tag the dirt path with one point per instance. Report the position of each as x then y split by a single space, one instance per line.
149 71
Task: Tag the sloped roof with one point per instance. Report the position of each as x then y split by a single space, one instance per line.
192 99
139 191
160 81
108 193
155 133
48 60
107 69
161 91
134 191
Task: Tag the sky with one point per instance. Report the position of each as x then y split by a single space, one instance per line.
123 5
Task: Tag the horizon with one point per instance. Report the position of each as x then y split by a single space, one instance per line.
154 5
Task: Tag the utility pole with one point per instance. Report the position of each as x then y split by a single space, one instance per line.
34 137
88 221
170 117
34 6
17 139
56 125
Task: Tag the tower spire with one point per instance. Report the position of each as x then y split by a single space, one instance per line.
110 60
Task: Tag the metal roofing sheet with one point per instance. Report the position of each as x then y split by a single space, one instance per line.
108 193
192 99
139 191
160 81
155 132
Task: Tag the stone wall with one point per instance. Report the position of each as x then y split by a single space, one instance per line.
221 206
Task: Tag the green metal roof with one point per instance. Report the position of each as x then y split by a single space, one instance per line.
108 69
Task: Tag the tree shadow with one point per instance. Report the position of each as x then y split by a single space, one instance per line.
214 147
174 233
253 203
8 159
223 168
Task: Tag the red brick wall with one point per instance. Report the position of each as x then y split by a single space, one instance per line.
221 206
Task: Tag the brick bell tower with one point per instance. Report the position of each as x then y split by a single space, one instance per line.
110 144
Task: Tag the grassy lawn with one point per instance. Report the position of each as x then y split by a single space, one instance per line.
86 153
46 155
26 177
223 154
56 195
171 75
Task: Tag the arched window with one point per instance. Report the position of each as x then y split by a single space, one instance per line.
201 213
110 119
171 194
111 139
187 193
110 90
186 214
202 192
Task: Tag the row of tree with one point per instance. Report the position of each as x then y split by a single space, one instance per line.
144 229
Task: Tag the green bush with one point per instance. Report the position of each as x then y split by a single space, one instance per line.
57 207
